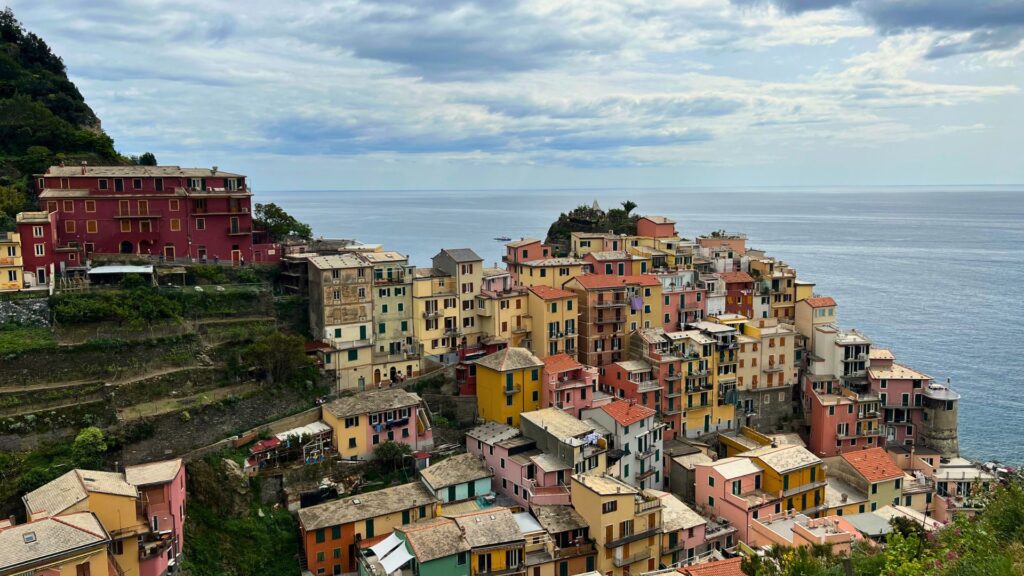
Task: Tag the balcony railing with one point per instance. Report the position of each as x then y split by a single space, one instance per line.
610 302
621 561
432 314
647 385
674 393
645 454
673 376
570 551
514 389
239 230
611 320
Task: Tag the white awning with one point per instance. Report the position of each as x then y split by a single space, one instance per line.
122 270
385 546
395 560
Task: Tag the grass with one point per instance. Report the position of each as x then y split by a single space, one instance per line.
20 339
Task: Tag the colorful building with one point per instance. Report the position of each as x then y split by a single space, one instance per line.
635 437
161 488
40 257
656 227
161 211
733 488
456 479
444 304
341 315
329 532
508 383
900 391
794 474
739 293
396 351
567 548
870 471
503 315
610 308
362 421
74 544
767 358
569 385
624 522
11 265
553 316
550 272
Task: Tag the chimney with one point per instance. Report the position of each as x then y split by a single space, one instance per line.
85 167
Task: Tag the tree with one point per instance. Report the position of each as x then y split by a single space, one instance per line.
279 224
279 357
89 447
12 200
628 206
389 455
147 159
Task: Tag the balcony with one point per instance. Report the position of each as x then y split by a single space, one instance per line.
611 320
674 393
514 389
553 495
610 302
570 383
673 377
392 279
645 454
432 314
647 385
803 488
139 216
239 230
673 411
452 332
568 552
696 374
350 344
647 506
620 560
520 330
774 368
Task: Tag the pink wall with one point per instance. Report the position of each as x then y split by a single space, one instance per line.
405 433
601 266
581 382
167 502
732 508
645 227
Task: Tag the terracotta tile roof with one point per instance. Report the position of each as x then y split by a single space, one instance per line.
821 302
626 413
510 358
548 293
597 281
735 277
874 464
730 567
560 363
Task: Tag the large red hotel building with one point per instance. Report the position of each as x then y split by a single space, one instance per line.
198 214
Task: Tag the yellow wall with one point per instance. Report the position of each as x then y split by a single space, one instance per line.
491 397
10 263
118 513
554 276
492 318
804 291
589 505
342 435
541 316
388 522
425 289
773 482
497 560
97 560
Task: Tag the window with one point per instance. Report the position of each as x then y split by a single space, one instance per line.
321 536
158 183
353 355
37 231
351 421
460 560
137 183
118 185
40 249
736 487
69 226
91 227
711 480
90 205
175 225
69 206
83 569
711 501
320 556
609 507
200 223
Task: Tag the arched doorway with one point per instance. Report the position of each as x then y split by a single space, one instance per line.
393 374
127 248
408 371
376 376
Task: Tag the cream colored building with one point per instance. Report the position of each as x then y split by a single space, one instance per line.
341 315
445 305
396 351
624 522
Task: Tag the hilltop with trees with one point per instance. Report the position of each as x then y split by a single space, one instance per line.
591 219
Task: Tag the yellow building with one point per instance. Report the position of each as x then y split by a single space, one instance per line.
550 272
795 474
396 354
624 522
553 314
699 402
804 289
361 421
74 545
466 269
583 243
496 543
723 372
341 315
436 314
10 262
504 316
508 383
781 280
113 501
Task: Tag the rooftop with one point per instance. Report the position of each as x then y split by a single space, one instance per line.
881 354
364 506
160 472
835 491
72 487
688 461
548 293
461 255
553 262
784 458
821 302
492 272
521 242
338 261
658 219
493 432
139 171
25 544
634 365
383 257
625 412
896 372
549 462
675 515
611 255
870 524
735 467
435 538
557 423
511 358
874 464
730 567
371 402
735 277
458 469
489 527
556 519
561 363
605 485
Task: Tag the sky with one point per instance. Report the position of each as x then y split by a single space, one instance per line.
476 94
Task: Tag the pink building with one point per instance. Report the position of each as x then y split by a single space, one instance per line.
569 385
655 227
610 263
795 530
732 488
161 488
739 293
524 250
693 304
40 257
522 473
900 390
841 420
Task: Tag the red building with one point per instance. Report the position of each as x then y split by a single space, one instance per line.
39 257
739 293
655 227
610 262
177 213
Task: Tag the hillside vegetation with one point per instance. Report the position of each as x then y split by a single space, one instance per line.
43 118
591 219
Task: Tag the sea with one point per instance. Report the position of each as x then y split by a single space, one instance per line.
934 273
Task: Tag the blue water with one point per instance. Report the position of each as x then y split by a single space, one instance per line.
937 275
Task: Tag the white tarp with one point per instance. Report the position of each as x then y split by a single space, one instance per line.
395 560
385 546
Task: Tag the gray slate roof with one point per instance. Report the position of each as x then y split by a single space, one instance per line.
489 527
556 519
371 402
458 469
462 254
433 539
364 506
53 537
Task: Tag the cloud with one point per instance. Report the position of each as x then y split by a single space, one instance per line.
967 26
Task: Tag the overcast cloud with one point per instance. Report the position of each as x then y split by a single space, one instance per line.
486 93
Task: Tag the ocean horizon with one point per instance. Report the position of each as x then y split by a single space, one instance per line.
935 273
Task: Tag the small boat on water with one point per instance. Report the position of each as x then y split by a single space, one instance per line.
503 239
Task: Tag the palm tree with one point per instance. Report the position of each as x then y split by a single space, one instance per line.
628 206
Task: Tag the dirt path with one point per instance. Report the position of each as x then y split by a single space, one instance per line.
60 406
47 386
166 405
154 373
